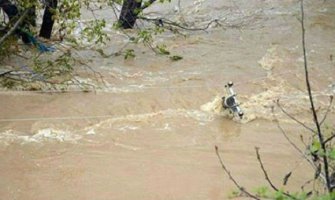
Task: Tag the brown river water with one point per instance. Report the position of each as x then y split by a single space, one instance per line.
149 131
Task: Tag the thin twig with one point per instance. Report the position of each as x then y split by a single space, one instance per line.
300 151
267 178
114 10
163 21
315 117
329 139
328 110
306 183
289 139
293 118
232 178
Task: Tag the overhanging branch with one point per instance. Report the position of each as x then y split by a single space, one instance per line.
16 25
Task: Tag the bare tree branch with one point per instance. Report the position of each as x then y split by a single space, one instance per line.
293 118
267 178
147 4
328 109
315 117
330 138
163 21
322 176
16 25
232 178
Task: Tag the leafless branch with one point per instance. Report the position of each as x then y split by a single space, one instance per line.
308 159
293 118
289 139
315 117
295 146
328 109
330 138
306 183
163 22
267 178
244 191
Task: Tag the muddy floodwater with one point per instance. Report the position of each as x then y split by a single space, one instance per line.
149 131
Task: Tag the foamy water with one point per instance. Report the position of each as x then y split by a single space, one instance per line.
71 136
41 136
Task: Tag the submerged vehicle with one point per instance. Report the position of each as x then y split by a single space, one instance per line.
230 102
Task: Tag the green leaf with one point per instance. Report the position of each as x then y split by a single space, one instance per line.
331 154
262 192
162 50
176 58
316 146
130 53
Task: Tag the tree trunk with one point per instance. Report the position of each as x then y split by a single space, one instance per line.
48 22
129 13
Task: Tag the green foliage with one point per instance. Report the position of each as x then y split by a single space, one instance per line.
147 35
235 194
8 83
331 153
263 192
116 25
315 147
162 50
69 9
176 58
162 1
330 196
144 36
61 66
94 32
266 193
146 3
129 53
67 17
29 4
8 47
